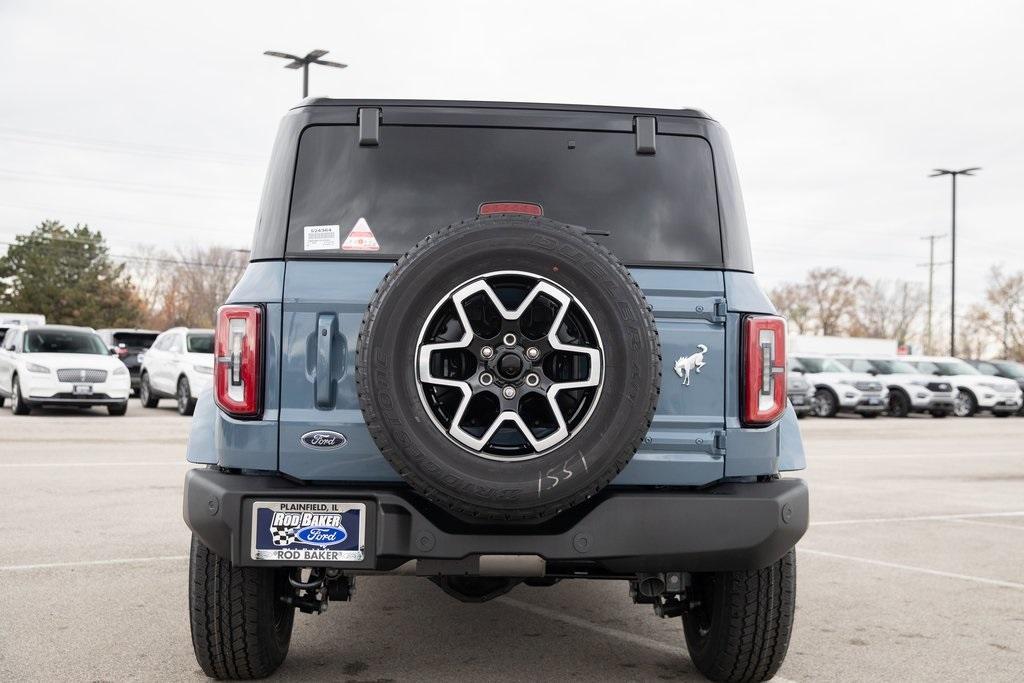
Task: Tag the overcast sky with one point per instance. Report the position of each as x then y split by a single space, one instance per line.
154 121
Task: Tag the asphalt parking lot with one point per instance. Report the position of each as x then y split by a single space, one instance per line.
913 569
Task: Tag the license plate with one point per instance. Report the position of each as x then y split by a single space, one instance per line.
874 401
82 389
309 531
797 400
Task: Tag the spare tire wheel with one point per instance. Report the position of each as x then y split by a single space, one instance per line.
508 367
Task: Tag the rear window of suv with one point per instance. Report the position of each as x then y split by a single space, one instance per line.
140 340
659 209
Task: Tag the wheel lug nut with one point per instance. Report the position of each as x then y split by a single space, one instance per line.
509 339
486 379
509 392
533 353
532 380
486 352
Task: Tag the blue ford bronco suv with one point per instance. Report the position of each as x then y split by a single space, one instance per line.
490 344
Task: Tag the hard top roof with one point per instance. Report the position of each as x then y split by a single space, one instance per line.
471 104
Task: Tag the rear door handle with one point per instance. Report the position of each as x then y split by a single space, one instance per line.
326 324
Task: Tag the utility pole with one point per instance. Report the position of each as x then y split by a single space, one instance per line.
303 63
931 279
952 286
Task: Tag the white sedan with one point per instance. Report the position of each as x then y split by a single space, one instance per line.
59 365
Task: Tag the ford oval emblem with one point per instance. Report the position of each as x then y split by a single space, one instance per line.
323 440
321 535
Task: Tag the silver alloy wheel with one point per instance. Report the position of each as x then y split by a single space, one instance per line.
962 404
16 396
451 359
824 403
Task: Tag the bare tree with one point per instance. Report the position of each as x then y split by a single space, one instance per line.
792 301
832 294
887 309
185 287
975 327
1005 295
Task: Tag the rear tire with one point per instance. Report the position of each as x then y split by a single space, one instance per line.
1002 414
186 404
241 628
826 403
146 395
118 409
940 413
740 629
19 406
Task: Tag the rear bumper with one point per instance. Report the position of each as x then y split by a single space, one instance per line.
730 526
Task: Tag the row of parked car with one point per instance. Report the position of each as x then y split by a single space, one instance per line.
61 365
47 365
898 386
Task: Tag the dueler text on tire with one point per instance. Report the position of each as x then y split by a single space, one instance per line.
508 367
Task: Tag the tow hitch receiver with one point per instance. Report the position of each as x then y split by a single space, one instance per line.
665 591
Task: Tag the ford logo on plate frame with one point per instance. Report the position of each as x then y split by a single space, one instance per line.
323 440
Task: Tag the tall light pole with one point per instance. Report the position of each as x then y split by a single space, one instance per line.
303 63
952 287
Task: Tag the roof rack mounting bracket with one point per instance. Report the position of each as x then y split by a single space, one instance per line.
645 128
369 126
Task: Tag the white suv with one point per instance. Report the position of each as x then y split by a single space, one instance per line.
59 365
840 390
910 391
178 365
975 391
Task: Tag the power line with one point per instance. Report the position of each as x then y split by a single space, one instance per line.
126 257
120 147
127 218
121 186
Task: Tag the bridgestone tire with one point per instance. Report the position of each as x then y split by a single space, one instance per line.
741 628
240 627
468 485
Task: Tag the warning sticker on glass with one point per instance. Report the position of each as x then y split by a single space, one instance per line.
317 237
361 238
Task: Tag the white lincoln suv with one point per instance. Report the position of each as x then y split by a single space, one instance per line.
59 365
178 365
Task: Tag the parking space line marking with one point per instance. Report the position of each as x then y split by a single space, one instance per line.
138 463
90 563
613 633
1017 527
919 518
919 570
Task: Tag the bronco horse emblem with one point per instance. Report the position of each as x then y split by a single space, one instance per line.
694 361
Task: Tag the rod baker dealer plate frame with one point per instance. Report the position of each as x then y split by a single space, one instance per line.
303 531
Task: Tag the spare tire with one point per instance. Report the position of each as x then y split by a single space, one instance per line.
508 367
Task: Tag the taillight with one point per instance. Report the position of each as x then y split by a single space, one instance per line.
238 356
764 369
